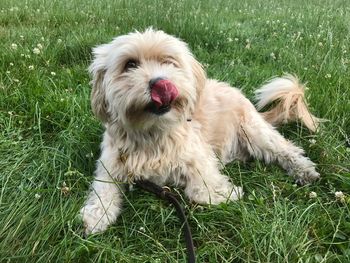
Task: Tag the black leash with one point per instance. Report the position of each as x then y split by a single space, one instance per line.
170 197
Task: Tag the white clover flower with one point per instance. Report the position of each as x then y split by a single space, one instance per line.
14 46
340 196
11 64
40 46
36 50
65 189
53 73
31 67
37 196
273 56
312 195
312 141
89 155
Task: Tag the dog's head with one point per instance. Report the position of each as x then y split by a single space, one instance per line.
145 80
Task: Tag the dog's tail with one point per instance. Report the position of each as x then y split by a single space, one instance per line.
290 105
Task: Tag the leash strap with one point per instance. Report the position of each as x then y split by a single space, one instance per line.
170 197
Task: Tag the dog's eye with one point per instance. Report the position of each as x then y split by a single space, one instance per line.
170 61
131 64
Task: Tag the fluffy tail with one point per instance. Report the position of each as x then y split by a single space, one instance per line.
288 93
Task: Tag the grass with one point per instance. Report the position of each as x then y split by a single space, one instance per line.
49 139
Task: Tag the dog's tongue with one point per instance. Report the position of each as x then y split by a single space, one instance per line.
163 92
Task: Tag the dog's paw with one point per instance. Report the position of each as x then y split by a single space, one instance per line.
307 176
232 193
217 196
95 219
306 172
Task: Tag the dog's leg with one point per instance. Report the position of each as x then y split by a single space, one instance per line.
205 184
262 141
104 202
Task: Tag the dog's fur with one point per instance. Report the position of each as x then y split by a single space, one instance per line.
209 124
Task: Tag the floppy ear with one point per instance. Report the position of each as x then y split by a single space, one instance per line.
98 69
199 75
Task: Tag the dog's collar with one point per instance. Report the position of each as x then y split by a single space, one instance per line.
123 157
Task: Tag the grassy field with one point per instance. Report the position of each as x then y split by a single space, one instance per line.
49 139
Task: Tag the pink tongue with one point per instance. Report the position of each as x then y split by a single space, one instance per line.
163 92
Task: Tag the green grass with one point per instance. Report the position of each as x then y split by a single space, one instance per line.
49 137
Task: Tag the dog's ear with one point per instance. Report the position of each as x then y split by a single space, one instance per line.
199 75
98 70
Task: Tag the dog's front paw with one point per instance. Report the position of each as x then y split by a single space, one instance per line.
217 195
232 193
95 219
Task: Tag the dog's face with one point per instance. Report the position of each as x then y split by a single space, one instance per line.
145 80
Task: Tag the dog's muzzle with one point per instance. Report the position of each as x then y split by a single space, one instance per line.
163 93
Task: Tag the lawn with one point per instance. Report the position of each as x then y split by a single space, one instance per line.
49 139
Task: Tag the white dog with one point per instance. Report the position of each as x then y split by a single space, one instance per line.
166 122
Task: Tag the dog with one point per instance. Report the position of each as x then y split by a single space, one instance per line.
166 122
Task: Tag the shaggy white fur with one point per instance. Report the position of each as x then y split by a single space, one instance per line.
143 140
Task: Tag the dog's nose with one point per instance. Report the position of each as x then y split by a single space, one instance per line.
162 91
153 81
